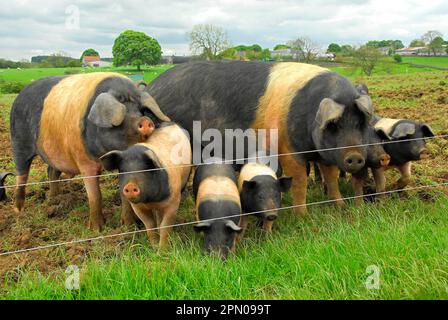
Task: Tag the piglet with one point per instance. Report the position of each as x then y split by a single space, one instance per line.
402 153
217 197
261 190
152 176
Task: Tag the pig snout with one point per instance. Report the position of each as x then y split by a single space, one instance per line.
131 191
354 162
270 216
384 160
424 154
145 127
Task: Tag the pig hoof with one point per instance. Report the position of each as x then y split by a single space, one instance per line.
128 222
18 210
96 225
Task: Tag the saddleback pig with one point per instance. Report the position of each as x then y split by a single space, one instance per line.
152 176
261 190
217 197
312 108
71 121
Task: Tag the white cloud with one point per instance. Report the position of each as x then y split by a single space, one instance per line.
31 27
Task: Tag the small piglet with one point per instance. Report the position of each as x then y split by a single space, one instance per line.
377 159
261 190
158 171
217 197
402 153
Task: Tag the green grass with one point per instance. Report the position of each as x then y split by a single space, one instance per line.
28 75
324 256
439 62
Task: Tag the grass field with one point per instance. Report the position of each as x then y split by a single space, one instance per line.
325 255
28 75
439 62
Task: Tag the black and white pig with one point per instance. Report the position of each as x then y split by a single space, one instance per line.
217 197
152 176
402 153
71 121
261 190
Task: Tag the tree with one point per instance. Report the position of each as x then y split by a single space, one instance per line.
432 40
89 52
281 46
208 41
304 48
417 43
347 50
367 58
436 45
136 48
334 48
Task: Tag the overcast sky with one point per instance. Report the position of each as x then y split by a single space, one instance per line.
30 28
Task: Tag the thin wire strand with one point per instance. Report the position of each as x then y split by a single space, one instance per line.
224 161
54 245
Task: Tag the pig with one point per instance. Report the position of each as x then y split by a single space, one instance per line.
3 176
217 197
261 190
402 153
152 176
71 121
377 160
312 108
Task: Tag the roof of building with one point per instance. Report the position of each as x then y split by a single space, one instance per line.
91 58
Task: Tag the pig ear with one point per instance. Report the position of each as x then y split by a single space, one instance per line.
403 130
111 160
202 226
284 183
249 185
362 88
152 157
107 111
233 227
3 176
364 103
427 131
329 111
151 104
382 134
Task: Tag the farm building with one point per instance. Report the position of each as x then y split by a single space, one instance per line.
95 61
412 51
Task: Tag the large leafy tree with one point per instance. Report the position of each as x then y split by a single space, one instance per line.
281 46
89 52
136 48
334 48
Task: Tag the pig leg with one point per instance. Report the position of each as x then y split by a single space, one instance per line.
22 171
380 181
405 171
96 220
127 214
168 218
19 198
54 174
330 176
149 220
293 168
358 184
244 221
267 226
